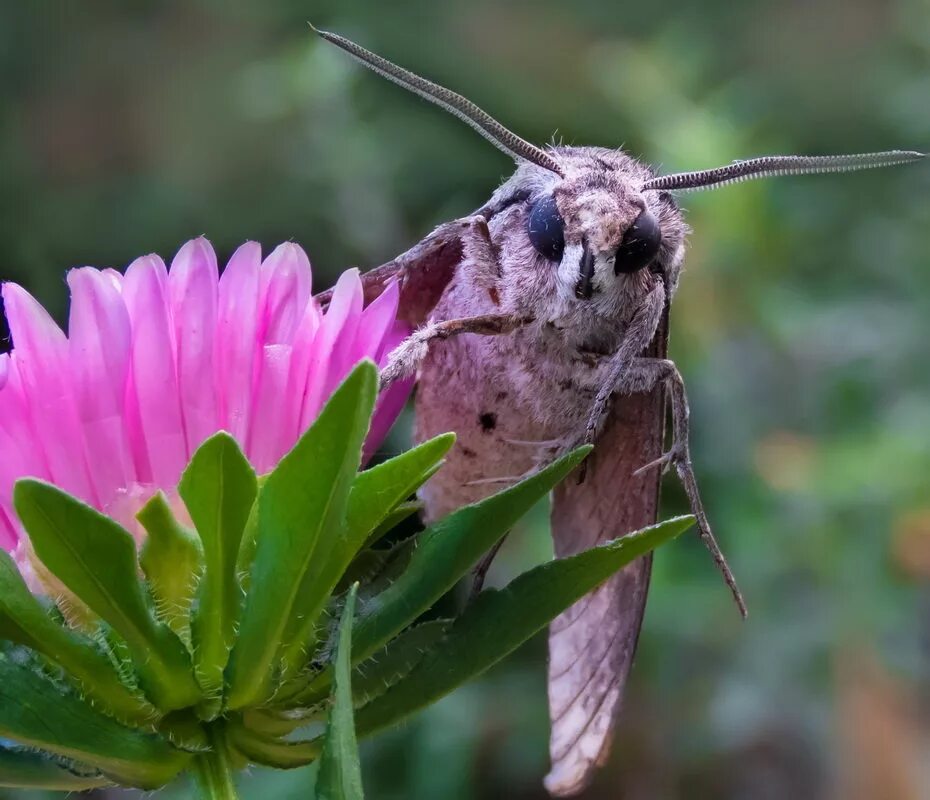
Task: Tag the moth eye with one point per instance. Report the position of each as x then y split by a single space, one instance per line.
546 229
640 244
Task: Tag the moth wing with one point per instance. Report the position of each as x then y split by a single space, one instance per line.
423 271
592 644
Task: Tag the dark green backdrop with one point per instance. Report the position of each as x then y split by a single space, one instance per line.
801 325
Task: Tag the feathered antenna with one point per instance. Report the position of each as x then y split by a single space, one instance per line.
770 166
464 109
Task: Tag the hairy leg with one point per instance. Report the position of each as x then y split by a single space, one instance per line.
407 357
643 375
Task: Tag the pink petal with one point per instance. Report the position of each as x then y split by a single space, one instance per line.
18 450
344 311
154 379
285 277
390 404
345 353
236 334
115 277
268 437
4 369
391 401
99 339
377 320
302 354
42 364
192 295
286 283
9 533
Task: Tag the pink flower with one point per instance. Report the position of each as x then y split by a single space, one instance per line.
155 361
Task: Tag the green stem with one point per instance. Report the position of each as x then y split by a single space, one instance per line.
214 772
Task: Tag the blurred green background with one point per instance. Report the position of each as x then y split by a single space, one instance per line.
801 325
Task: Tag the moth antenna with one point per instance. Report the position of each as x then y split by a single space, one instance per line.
454 103
771 166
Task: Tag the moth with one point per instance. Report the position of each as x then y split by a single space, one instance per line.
541 323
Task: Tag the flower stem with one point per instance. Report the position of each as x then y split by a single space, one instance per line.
214 772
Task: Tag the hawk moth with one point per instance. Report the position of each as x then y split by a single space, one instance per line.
563 280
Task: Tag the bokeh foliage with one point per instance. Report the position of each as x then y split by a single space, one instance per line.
801 324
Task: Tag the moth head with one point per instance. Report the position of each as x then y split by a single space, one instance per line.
598 214
595 226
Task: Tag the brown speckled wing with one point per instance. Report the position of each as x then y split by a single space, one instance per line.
591 646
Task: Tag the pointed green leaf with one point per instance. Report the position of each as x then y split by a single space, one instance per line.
29 770
172 560
96 559
34 712
303 502
392 520
24 620
375 493
447 550
218 487
365 567
387 565
498 622
340 775
374 677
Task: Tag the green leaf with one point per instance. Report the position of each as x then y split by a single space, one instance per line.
498 622
246 555
374 677
273 724
185 731
96 559
392 520
34 712
271 752
447 550
302 503
29 770
24 620
340 774
365 567
375 493
378 567
219 488
384 567
172 560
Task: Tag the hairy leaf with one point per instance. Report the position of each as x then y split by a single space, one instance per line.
218 487
498 622
172 560
302 502
96 559
24 620
447 550
36 713
375 493
340 775
374 677
20 768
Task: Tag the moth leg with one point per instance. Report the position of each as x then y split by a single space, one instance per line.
409 354
639 333
643 375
